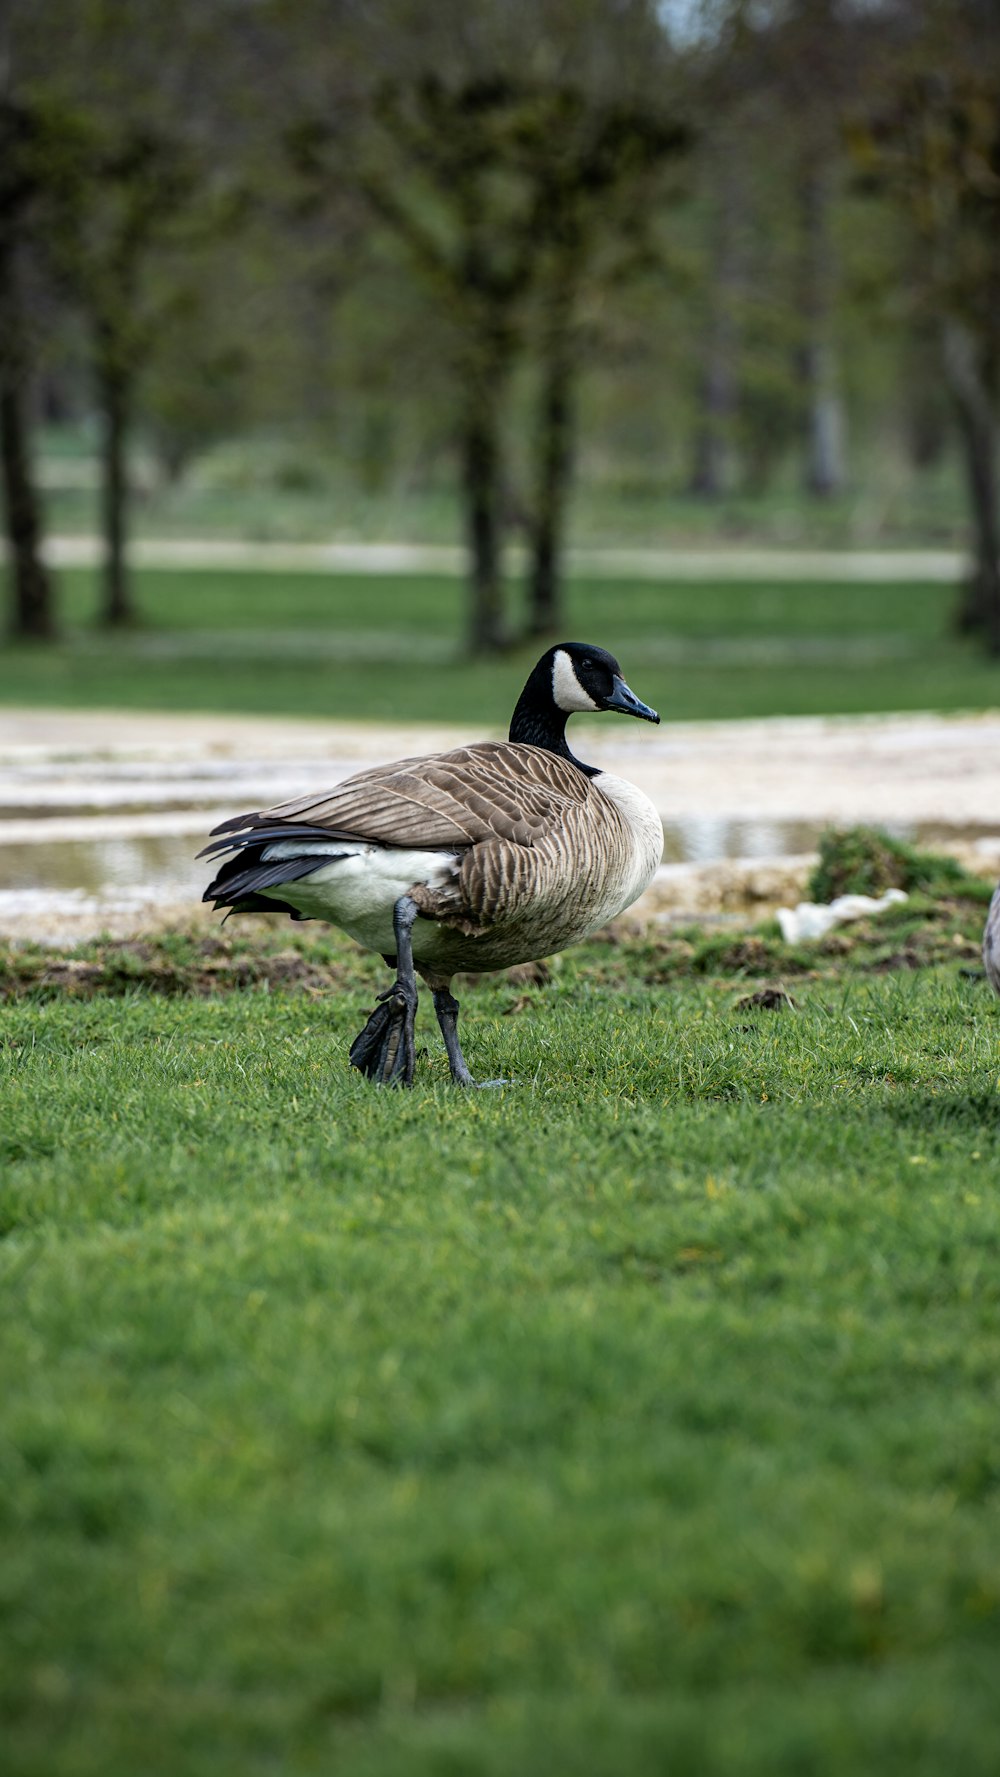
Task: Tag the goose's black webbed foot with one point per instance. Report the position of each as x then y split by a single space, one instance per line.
384 1051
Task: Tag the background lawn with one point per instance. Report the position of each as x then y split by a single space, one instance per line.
291 490
387 648
643 1416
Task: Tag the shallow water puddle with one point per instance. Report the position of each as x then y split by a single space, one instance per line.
121 864
95 819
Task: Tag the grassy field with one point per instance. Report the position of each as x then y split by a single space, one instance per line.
386 648
640 1417
282 490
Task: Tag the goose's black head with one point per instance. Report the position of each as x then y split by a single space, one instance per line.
572 676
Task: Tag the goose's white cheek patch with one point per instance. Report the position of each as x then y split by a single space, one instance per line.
567 692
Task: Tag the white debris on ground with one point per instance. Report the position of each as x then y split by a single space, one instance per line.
810 919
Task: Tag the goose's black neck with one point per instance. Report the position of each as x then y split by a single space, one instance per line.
539 722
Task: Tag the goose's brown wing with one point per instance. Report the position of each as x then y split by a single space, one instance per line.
494 790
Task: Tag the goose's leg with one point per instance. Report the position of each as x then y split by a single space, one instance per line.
384 1050
446 1007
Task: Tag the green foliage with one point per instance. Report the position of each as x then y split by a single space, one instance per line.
641 1416
867 861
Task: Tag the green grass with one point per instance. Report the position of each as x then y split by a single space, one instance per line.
291 489
640 1417
366 647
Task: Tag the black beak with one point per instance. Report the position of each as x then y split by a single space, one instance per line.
625 700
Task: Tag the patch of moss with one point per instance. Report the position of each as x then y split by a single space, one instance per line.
867 861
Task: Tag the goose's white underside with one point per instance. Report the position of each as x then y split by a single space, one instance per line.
358 889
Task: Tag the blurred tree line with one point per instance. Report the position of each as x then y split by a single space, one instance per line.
223 214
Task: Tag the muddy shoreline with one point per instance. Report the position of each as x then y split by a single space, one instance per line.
87 797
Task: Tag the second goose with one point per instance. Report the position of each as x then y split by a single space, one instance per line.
470 860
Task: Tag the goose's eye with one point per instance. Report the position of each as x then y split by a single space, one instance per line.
586 666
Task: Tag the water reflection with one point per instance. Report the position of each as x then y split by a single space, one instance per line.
705 839
164 867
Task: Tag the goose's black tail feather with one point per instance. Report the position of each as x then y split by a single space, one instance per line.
258 830
241 880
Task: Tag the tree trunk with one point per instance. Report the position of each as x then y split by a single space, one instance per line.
927 416
554 465
485 632
483 377
32 612
824 426
979 608
712 470
113 385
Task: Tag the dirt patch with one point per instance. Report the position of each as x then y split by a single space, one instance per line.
922 932
766 999
201 967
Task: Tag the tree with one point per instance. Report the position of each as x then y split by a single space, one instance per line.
823 410
491 144
32 612
125 190
731 76
713 469
815 65
774 80
932 142
126 96
463 148
593 167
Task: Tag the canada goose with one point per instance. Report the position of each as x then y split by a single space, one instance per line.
991 942
470 860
